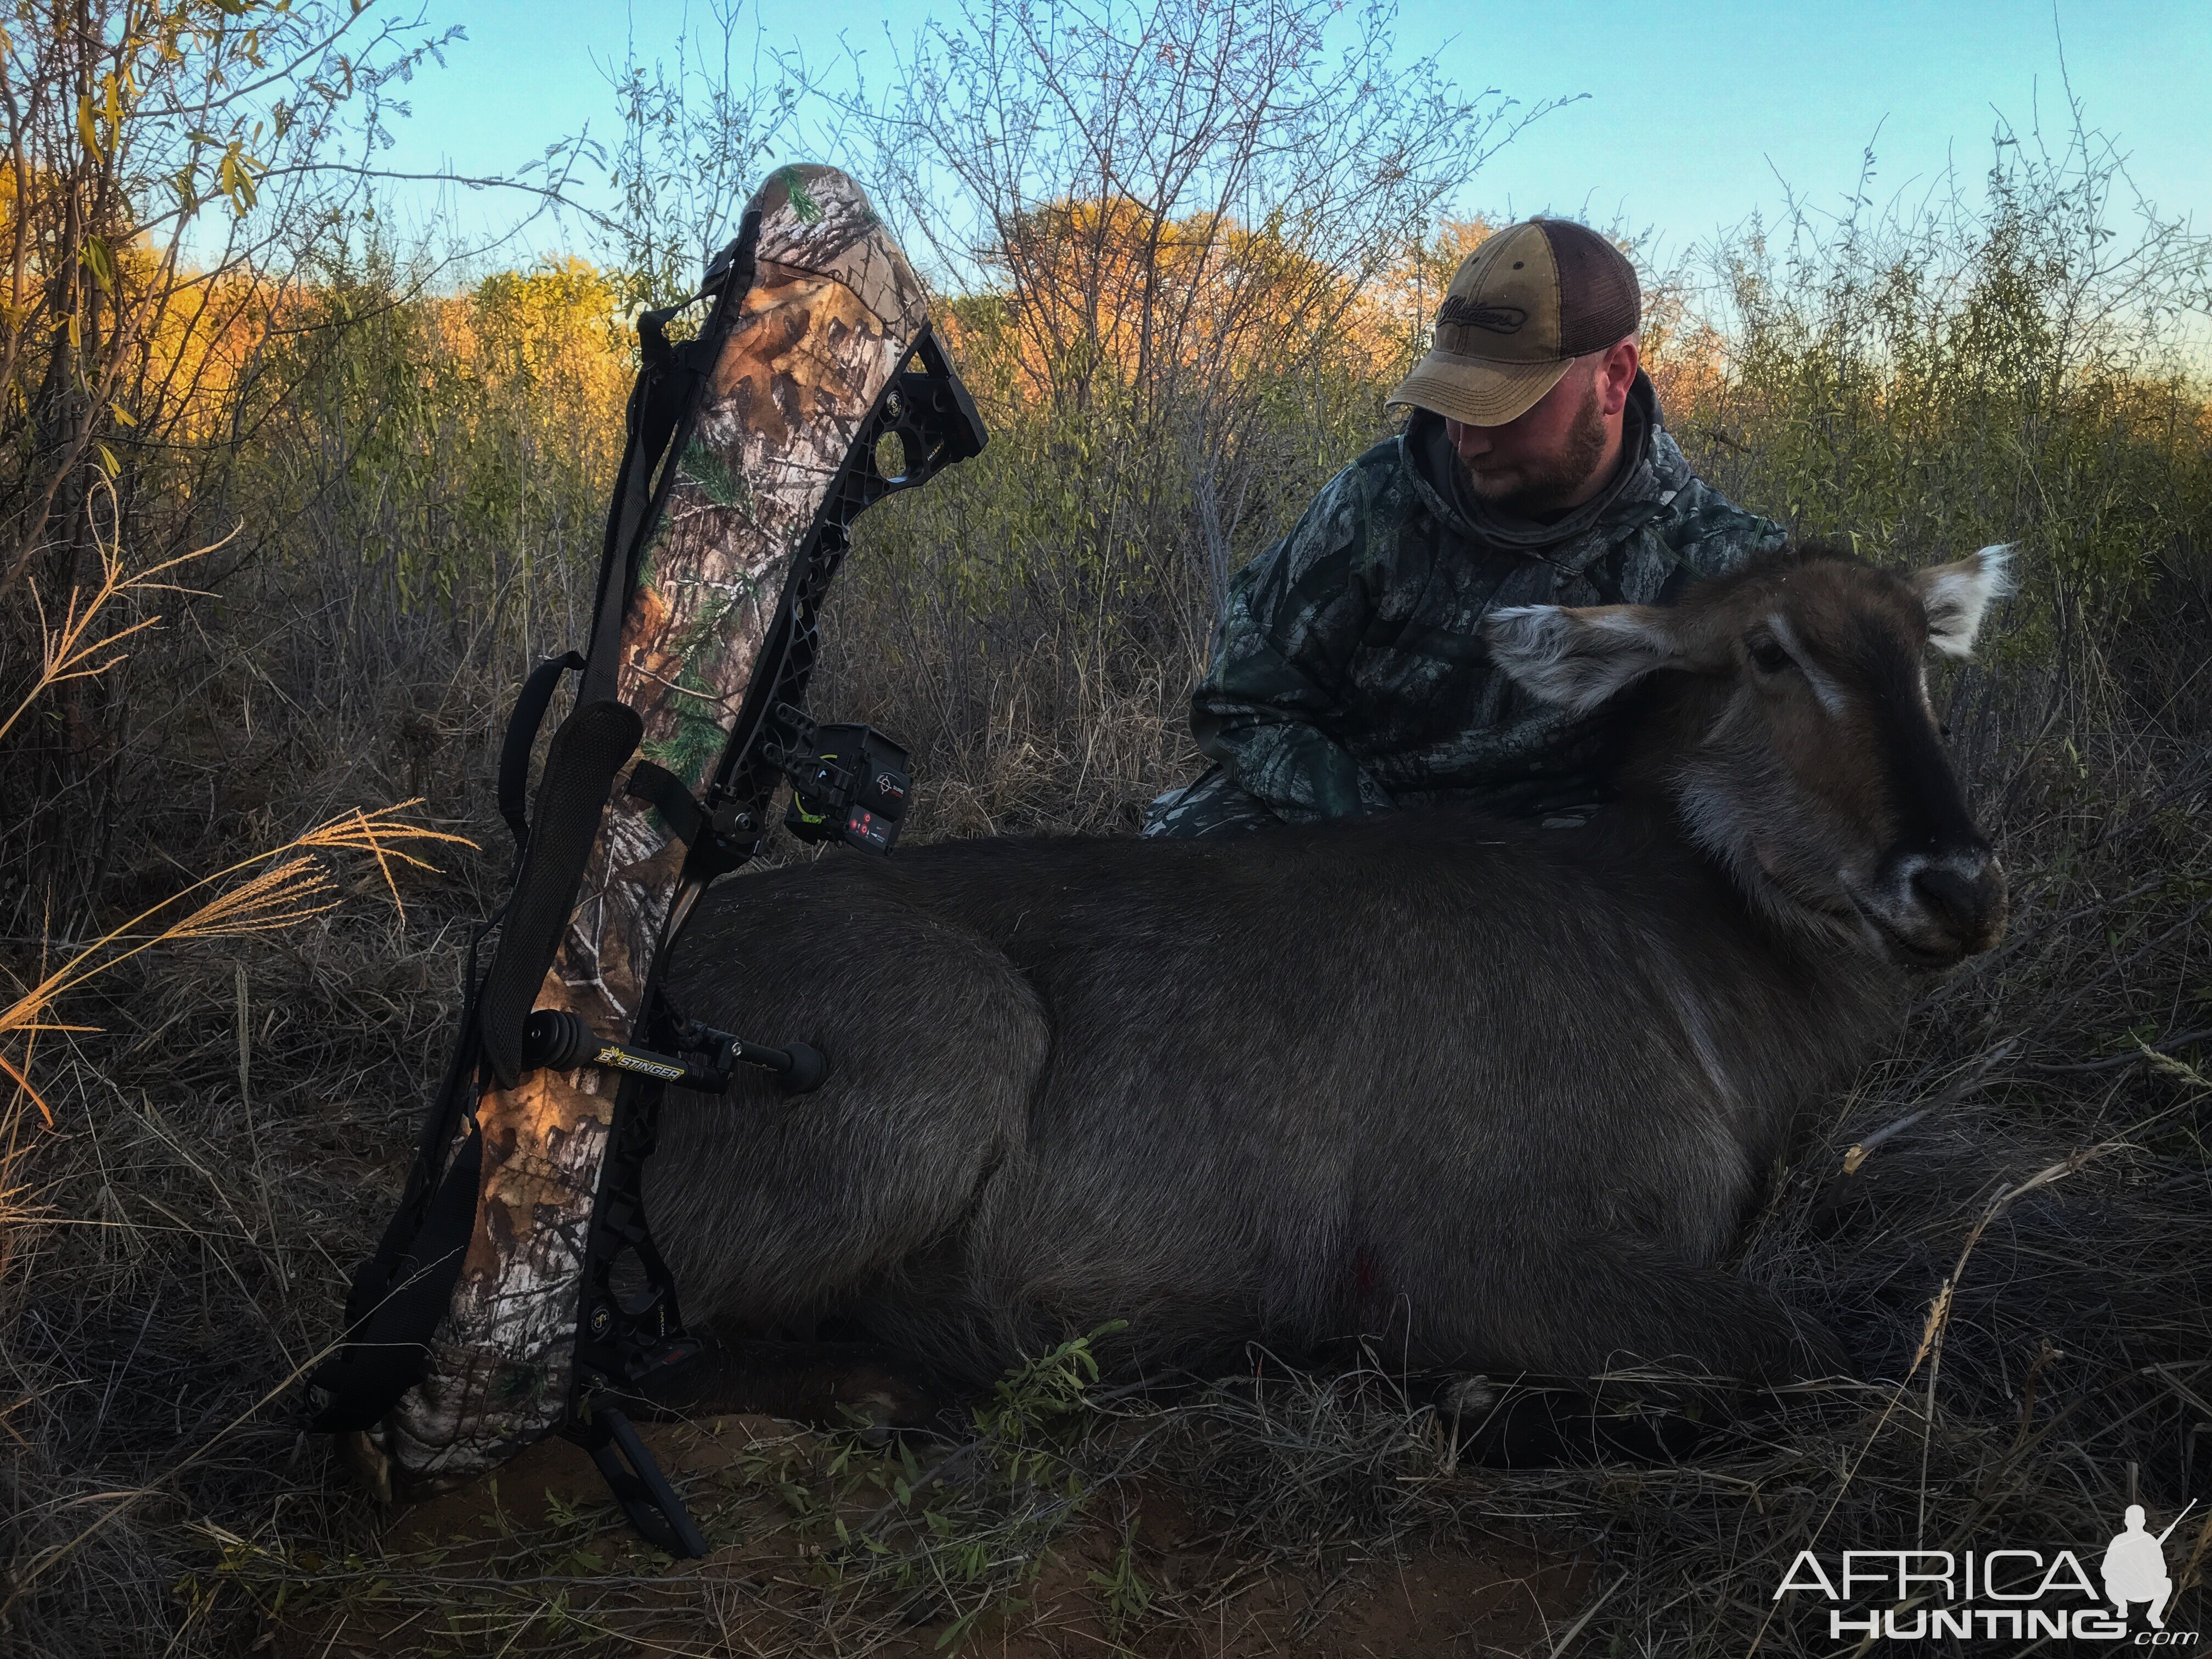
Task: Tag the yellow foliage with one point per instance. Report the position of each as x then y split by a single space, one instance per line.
1099 286
554 338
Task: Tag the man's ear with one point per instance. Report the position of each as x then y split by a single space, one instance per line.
1616 375
1957 595
1577 658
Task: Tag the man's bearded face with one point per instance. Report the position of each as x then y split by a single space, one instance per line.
1541 461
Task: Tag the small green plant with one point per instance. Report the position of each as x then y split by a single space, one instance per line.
1127 1595
1032 1404
968 1531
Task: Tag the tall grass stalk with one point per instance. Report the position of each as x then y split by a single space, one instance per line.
2007 1213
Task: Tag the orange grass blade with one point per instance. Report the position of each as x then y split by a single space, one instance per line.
286 885
24 1083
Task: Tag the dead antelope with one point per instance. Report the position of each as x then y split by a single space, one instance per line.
1502 1093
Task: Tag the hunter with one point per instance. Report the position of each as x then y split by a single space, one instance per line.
1347 676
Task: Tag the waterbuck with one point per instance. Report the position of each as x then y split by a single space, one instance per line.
1500 1092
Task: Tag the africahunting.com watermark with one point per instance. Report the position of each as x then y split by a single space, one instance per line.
2009 1594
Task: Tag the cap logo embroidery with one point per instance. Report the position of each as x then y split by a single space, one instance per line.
1472 313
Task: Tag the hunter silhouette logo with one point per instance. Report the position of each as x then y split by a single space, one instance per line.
2135 1566
1992 1595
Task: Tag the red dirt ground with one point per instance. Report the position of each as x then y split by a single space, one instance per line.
767 1589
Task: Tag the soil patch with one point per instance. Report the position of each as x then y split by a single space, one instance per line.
815 1550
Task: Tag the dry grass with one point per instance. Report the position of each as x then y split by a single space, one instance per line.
2019 1248
262 894
2009 1214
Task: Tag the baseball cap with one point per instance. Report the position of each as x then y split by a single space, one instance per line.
1520 308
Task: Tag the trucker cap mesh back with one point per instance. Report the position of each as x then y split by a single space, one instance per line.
1600 303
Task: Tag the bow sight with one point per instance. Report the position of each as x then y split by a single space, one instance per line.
848 783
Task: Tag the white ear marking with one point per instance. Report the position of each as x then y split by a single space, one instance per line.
1578 658
1957 596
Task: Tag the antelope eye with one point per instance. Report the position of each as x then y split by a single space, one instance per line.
1768 656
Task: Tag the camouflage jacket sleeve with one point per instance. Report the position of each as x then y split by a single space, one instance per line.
1284 640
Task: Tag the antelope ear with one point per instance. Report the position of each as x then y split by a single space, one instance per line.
1577 658
1956 597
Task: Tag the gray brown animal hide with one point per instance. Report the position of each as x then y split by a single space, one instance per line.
1497 1094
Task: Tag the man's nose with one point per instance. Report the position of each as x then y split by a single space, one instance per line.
1469 440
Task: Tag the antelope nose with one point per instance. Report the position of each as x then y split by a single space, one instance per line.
1962 897
1947 896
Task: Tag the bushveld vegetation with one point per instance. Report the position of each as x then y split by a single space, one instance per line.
1181 263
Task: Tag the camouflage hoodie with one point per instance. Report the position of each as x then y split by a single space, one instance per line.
1347 676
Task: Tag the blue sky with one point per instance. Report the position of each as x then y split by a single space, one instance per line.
1697 112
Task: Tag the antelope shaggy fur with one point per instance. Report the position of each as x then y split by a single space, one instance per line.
1498 1094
